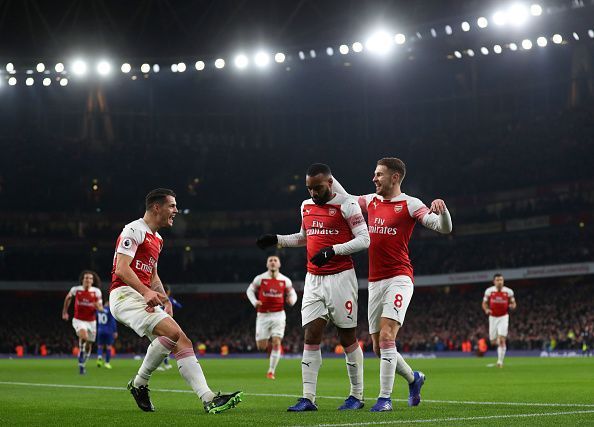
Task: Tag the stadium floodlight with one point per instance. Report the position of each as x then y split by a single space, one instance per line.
344 49
482 22
40 67
220 63
181 67
156 68
199 65
357 47
470 52
513 47
576 36
517 14
63 82
542 41
484 50
262 59
29 81
380 42
465 26
499 18
448 30
10 67
241 61
301 55
12 81
145 68
457 54
312 53
536 10
433 33
591 34
126 68
174 68
47 81
497 49
329 51
279 57
103 68
557 39
526 44
59 67
79 67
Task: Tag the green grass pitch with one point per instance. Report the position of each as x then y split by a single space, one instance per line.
528 391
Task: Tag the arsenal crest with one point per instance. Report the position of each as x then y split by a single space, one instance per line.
397 208
332 211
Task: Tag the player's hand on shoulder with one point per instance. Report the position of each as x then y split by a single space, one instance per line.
267 240
438 206
323 256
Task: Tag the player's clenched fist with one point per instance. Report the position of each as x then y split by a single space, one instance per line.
438 206
267 240
154 299
323 256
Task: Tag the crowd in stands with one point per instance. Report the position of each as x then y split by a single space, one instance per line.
552 314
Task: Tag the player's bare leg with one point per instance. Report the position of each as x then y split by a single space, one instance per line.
275 356
354 363
310 365
501 349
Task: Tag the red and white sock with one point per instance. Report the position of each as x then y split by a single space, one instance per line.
191 371
156 352
310 366
354 363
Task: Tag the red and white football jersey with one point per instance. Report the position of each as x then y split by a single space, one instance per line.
390 224
328 225
138 241
498 300
84 302
271 291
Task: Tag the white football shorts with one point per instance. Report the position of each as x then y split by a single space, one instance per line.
270 325
498 326
90 326
389 298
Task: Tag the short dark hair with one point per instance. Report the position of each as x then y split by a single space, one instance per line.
319 168
395 165
158 195
96 279
496 275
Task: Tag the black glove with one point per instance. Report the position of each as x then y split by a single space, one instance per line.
323 257
267 240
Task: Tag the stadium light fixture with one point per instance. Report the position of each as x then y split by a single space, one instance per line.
343 49
156 68
400 38
10 67
301 55
526 44
465 26
470 52
557 39
448 31
536 10
484 50
145 68
29 81
12 81
497 49
241 61
576 36
591 34
312 53
199 65
262 59
279 57
499 18
59 67
457 54
433 33
126 68
103 68
174 68
220 63
542 41
181 67
482 22
63 82
380 42
47 81
79 67
357 47
40 67
513 47
517 14
329 51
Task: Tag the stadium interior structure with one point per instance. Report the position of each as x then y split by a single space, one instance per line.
494 115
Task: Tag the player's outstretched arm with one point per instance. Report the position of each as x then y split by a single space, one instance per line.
436 218
127 275
67 300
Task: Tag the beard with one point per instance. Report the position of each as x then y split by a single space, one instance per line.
322 199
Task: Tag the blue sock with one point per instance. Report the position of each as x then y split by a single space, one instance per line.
99 351
81 356
166 361
108 354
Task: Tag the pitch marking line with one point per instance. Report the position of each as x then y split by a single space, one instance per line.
166 390
451 419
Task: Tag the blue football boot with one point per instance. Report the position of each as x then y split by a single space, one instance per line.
351 402
303 405
383 404
414 389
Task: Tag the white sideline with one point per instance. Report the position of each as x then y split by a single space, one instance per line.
166 390
443 420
